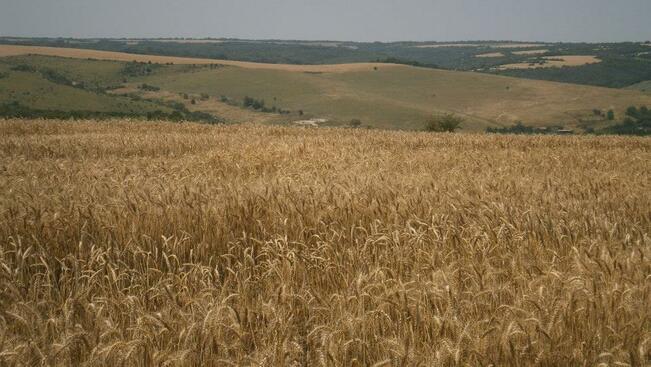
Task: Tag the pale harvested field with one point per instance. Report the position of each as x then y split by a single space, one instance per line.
555 62
518 45
497 45
188 41
152 244
11 50
184 41
530 52
491 55
439 45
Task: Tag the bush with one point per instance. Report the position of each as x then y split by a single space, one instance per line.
522 129
23 67
16 110
355 123
638 122
56 77
135 69
248 101
629 127
258 105
610 115
446 123
254 104
149 88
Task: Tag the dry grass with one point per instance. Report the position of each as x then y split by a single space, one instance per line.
530 52
440 45
496 45
519 45
146 244
11 50
555 62
183 40
491 55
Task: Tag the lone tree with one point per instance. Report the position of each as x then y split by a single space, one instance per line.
446 123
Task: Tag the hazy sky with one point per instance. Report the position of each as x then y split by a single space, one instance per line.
357 20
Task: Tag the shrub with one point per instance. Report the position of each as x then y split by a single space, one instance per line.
23 67
255 104
135 69
632 112
149 88
16 110
446 123
56 77
637 122
248 101
522 129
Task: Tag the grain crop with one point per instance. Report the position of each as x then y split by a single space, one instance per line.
128 243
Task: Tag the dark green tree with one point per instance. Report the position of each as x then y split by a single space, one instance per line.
446 123
355 123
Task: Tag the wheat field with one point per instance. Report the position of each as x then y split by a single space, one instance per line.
128 243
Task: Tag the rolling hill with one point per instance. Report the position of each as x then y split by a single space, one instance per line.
380 95
643 87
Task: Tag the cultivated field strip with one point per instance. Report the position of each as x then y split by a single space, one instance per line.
153 244
11 50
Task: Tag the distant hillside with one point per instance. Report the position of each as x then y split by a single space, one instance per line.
619 64
374 95
643 86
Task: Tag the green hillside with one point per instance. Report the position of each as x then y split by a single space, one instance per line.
379 95
642 87
405 97
621 64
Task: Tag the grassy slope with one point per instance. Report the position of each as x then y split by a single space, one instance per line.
397 97
33 90
642 87
94 72
404 97
623 63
